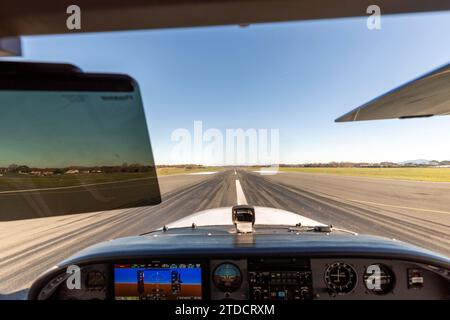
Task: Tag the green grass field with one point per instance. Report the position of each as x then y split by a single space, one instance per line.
17 182
20 182
176 170
418 174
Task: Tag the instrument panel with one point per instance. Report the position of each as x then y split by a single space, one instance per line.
254 278
280 279
158 281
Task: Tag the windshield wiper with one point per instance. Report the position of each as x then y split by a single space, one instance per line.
324 229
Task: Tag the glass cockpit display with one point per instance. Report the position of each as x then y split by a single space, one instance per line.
158 281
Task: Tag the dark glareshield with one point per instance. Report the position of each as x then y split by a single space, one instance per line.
73 143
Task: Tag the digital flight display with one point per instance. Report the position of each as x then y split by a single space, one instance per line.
158 281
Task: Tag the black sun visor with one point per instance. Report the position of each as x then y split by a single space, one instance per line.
72 142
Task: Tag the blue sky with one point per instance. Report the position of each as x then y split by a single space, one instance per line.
297 77
59 130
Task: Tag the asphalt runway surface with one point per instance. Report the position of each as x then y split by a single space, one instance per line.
410 211
46 202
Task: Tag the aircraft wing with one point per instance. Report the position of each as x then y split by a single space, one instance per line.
426 96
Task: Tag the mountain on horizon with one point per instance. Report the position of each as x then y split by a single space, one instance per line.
419 162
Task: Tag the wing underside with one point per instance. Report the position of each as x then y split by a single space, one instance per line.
426 96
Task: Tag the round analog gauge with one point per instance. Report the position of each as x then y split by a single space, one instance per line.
227 277
340 278
95 280
379 279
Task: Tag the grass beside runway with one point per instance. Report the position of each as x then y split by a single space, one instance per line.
165 171
23 182
417 174
11 182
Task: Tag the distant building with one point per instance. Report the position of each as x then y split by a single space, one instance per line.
72 171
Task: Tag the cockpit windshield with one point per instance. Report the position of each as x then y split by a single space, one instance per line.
245 115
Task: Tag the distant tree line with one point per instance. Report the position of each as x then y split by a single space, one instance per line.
185 166
385 164
125 168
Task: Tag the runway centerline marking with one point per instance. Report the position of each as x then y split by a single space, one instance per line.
240 196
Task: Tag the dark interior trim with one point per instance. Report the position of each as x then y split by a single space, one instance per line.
30 17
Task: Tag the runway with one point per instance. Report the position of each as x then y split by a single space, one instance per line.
415 212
